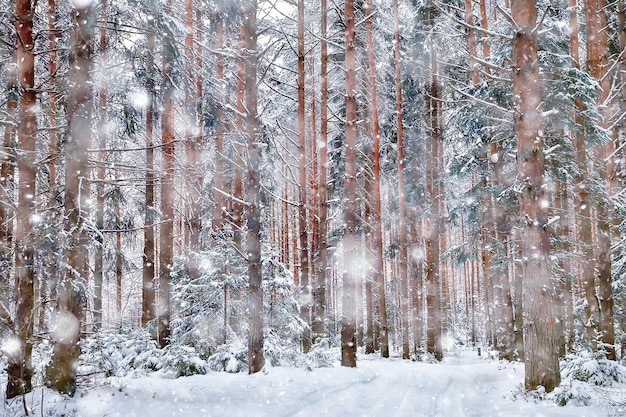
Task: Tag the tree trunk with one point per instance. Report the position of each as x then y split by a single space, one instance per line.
219 204
100 201
598 65
149 259
302 211
20 369
433 285
319 290
6 196
193 138
61 372
540 336
166 229
402 252
351 237
379 277
253 187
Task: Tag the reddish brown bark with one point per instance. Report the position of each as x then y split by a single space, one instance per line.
402 234
378 276
319 286
540 333
193 138
351 243
20 369
433 286
219 204
61 373
166 228
148 293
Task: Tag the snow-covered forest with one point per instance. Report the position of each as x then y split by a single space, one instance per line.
200 188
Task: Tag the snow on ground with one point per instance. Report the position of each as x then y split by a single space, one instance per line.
465 385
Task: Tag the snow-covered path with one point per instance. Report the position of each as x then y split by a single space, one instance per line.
460 386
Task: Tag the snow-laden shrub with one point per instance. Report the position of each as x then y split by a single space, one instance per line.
595 370
322 354
200 282
574 392
113 353
175 361
279 353
229 358
118 354
209 292
581 375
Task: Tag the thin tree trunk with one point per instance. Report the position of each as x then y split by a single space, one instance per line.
193 138
305 309
253 186
606 165
351 241
379 277
319 290
218 181
166 228
433 286
402 234
148 294
100 201
118 256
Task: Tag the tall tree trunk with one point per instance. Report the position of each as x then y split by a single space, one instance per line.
433 285
148 293
100 201
48 284
319 290
219 204
118 256
253 187
351 237
598 65
193 138
6 196
540 335
305 308
20 369
402 252
166 229
379 277
585 236
61 373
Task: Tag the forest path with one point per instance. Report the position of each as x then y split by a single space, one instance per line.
461 386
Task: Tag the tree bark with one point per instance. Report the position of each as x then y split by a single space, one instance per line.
319 290
148 293
302 171
100 200
193 139
351 237
402 252
253 187
20 369
61 372
379 277
597 65
540 335
166 228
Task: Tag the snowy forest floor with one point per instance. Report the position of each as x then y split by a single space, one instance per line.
462 385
